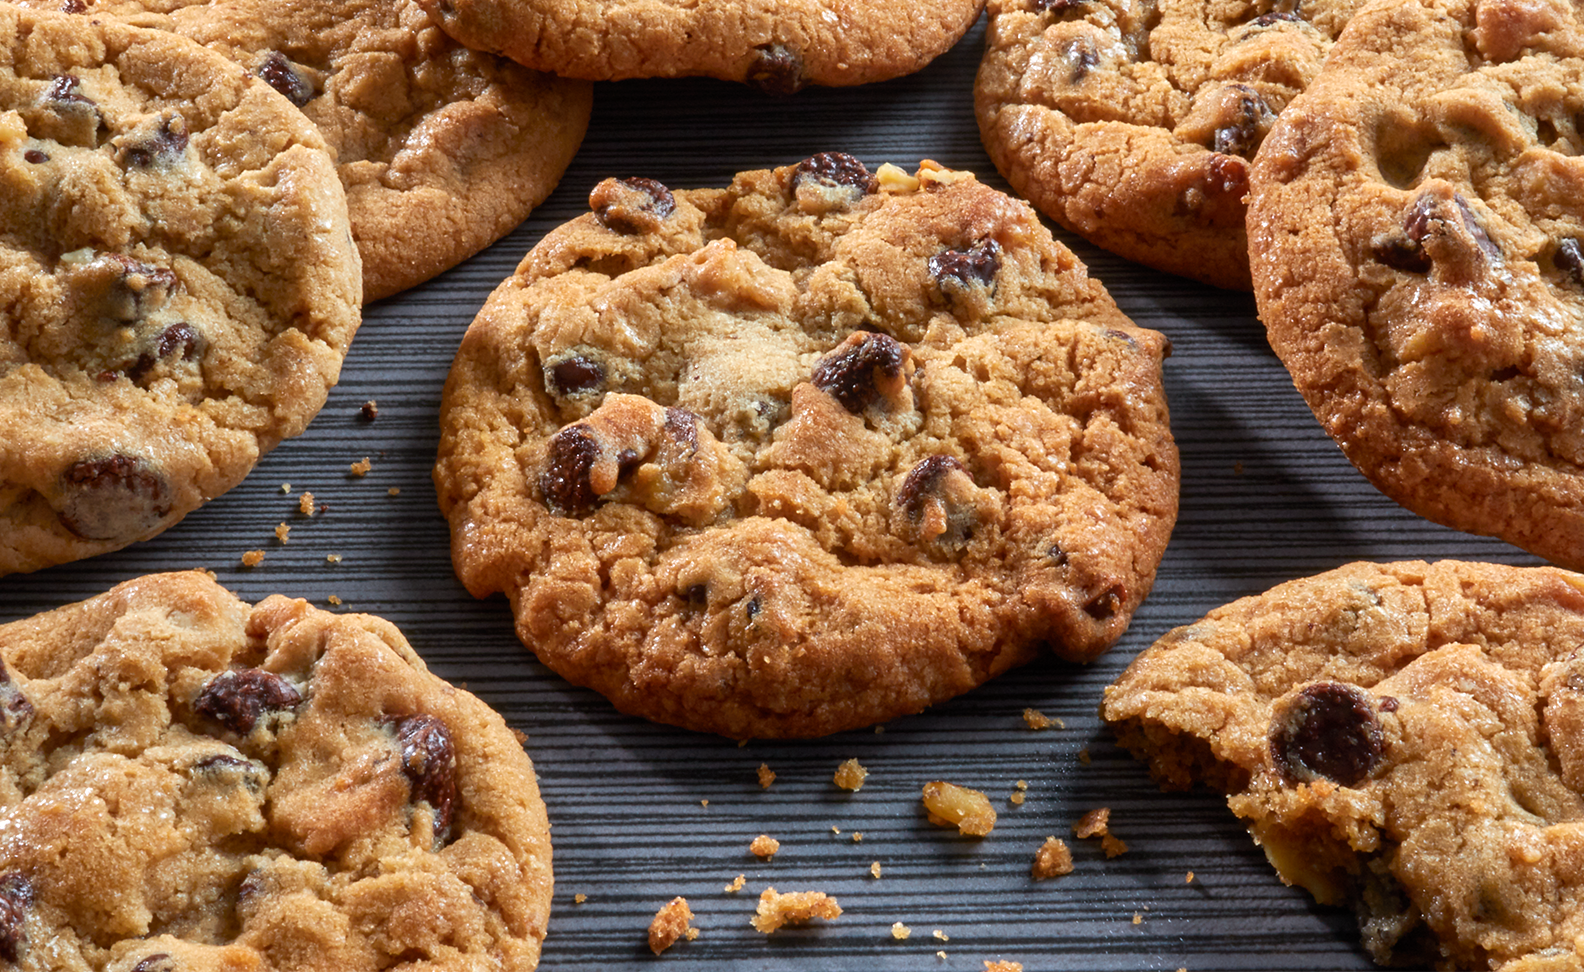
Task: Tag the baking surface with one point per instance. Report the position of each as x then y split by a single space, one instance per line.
642 813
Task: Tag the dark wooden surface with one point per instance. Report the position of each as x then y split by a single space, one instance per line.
642 813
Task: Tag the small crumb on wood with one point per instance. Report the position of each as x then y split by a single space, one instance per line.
286 487
737 884
1094 823
857 836
950 805
850 775
941 935
776 909
1053 859
370 410
1003 966
579 898
764 846
1035 719
670 923
1138 919
900 931
333 558
766 776
305 504
874 870
361 467
333 599
252 558
282 533
393 491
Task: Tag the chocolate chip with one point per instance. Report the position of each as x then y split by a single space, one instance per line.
697 597
278 73
753 607
574 373
922 482
636 205
1401 253
681 426
15 708
62 90
1105 605
74 6
65 114
1252 118
957 270
369 410
1058 7
237 699
1569 259
158 962
35 156
180 340
1388 703
16 897
1277 17
429 759
128 289
116 497
229 770
162 146
776 70
1328 730
565 480
1407 252
858 372
1057 555
834 170
1082 55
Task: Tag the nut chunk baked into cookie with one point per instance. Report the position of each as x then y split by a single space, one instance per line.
1133 122
777 46
1406 739
807 453
188 782
1416 229
178 280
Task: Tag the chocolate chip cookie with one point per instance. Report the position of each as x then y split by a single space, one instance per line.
442 150
190 782
1415 230
806 453
1406 739
777 46
1132 123
178 277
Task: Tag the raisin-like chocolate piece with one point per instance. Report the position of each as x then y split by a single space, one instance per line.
63 113
834 174
681 426
1277 17
565 480
158 962
1105 605
1407 251
776 70
74 6
1569 258
116 497
162 146
574 373
62 90
278 73
180 340
125 289
922 482
228 770
237 699
35 156
1251 119
957 270
16 898
630 206
429 759
15 708
1328 730
1058 7
1083 57
867 369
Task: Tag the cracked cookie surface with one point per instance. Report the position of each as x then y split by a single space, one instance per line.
442 150
806 453
190 782
1132 122
179 279
1404 739
1415 231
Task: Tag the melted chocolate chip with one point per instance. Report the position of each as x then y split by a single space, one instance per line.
278 73
853 373
776 70
74 7
15 708
1058 7
1057 555
1252 119
16 898
957 270
1083 56
1276 17
158 962
636 205
922 482
1328 730
179 340
63 90
116 497
1388 703
35 156
681 426
237 699
1105 605
1401 253
129 289
574 373
429 759
696 597
160 147
834 169
231 771
1569 259
1406 252
565 480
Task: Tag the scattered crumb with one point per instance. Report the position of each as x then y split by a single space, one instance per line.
737 885
305 504
879 730
900 931
361 467
835 829
333 599
1237 468
252 558
941 955
1021 784
393 491
941 935
520 736
282 532
703 803
370 410
1035 719
850 775
766 776
764 846
950 805
776 909
1094 823
1138 919
874 870
691 934
1189 878
1003 966
741 743
285 487
1083 755
1017 798
579 898
333 558
1113 845
1053 859
857 836
670 923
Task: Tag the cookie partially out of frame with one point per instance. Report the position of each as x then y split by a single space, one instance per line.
806 453
1404 739
1416 228
187 782
178 279
442 150
778 46
1132 123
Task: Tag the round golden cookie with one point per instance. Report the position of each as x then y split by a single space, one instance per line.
1404 739
806 453
442 150
189 782
1132 123
178 277
1416 228
777 46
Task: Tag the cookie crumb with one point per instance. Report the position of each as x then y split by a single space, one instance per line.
1017 798
1035 719
950 805
579 898
1113 845
1003 966
333 558
941 935
900 931
369 411
670 923
252 558
1237 468
520 736
282 532
286 487
1095 823
776 909
766 776
1053 859
941 955
850 775
305 504
1083 755
874 870
879 730
764 846
361 467
333 599
393 491
1138 919
703 803
736 885
1189 878
857 836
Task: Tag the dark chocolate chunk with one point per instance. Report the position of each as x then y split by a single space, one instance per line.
574 373
834 169
16 899
924 481
681 426
35 156
162 146
855 371
429 759
15 708
635 205
180 340
229 770
1252 119
62 90
776 70
1328 730
1105 605
565 480
237 699
1277 17
1082 55
116 497
1569 259
158 962
278 73
957 270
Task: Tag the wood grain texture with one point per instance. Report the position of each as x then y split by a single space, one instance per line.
1266 497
